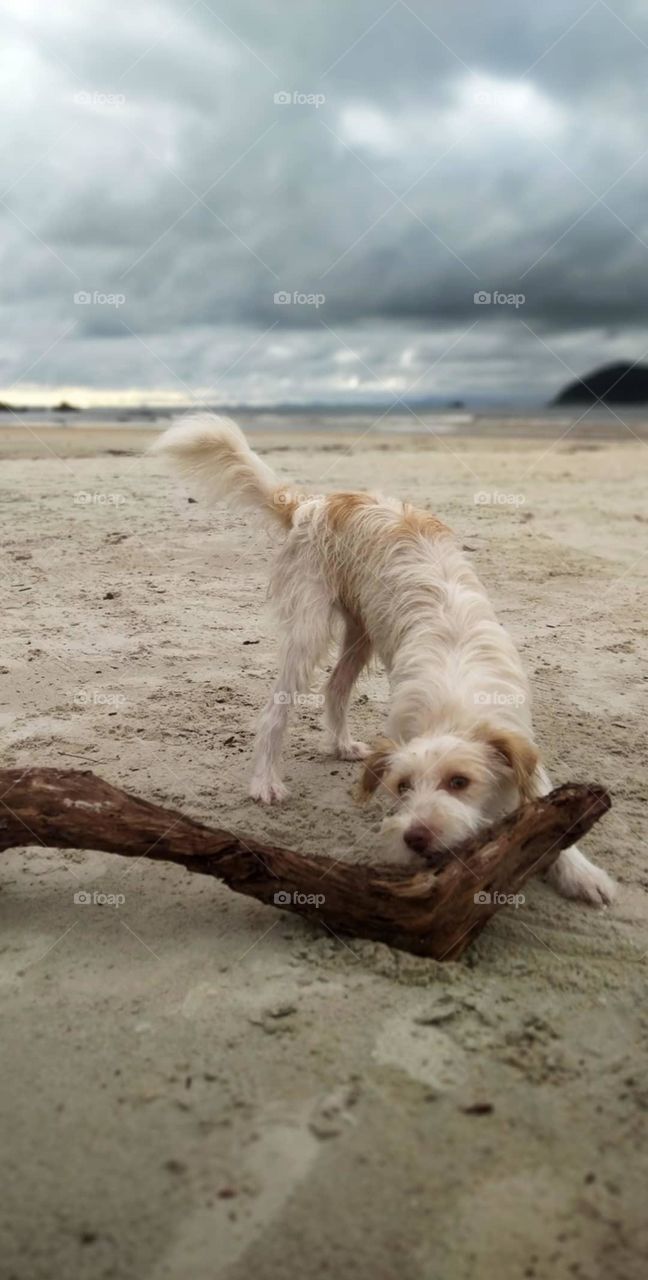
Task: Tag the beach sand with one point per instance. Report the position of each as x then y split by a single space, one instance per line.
198 1086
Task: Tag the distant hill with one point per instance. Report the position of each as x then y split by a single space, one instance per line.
613 384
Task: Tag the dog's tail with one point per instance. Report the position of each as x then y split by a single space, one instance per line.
212 454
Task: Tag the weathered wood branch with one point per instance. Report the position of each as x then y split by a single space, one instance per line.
434 912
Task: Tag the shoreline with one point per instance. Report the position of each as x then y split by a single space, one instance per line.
44 437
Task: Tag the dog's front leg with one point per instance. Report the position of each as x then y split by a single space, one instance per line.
572 874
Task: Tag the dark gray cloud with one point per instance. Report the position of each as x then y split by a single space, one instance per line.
428 152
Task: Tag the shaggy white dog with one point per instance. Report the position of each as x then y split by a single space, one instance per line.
458 749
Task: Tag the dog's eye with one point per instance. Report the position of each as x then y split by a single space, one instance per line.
458 782
403 786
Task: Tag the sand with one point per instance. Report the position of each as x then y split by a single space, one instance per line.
198 1086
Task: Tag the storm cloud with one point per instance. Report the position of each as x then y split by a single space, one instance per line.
262 202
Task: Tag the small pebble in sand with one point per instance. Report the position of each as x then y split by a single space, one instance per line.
441 1012
281 1011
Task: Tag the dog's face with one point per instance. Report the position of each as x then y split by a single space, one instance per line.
443 788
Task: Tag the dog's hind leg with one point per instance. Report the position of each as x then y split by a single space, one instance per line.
306 634
354 656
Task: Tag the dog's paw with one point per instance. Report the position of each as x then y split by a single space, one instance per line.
593 885
268 790
352 750
574 876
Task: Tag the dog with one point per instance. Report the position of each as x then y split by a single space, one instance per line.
458 749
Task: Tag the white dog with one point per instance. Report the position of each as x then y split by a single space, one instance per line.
458 750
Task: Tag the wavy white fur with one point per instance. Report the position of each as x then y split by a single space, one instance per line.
458 749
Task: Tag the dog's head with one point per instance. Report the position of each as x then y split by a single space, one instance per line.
442 788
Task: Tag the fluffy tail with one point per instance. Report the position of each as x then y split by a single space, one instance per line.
213 456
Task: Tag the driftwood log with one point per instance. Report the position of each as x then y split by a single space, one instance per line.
434 912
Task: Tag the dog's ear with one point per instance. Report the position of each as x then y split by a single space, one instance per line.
518 752
375 767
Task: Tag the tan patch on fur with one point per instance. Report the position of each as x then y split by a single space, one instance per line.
519 753
342 507
375 767
421 523
391 526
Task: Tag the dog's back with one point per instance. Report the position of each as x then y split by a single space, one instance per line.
363 547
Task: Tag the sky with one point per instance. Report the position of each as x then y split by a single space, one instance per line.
255 202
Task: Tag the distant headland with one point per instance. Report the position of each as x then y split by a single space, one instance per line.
612 384
63 407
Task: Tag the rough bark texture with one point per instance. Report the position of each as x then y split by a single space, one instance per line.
435 912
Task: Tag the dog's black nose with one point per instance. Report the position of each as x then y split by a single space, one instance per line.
418 838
